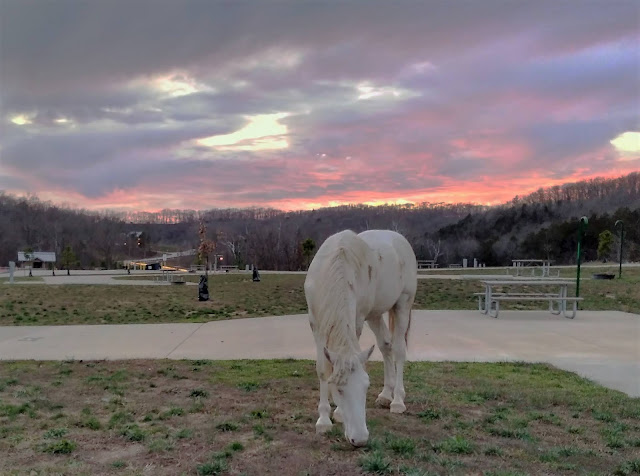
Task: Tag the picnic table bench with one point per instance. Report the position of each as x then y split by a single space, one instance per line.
489 300
426 263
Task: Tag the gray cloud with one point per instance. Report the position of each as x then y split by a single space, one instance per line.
552 80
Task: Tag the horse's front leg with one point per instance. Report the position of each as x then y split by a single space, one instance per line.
383 337
324 422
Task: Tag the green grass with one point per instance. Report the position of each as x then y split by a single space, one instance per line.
217 466
22 279
401 446
376 463
61 447
455 445
235 296
184 433
519 427
199 393
56 433
171 412
227 426
91 423
133 433
628 468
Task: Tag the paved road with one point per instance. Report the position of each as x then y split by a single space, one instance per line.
155 277
602 346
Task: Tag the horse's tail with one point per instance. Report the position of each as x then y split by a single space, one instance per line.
392 326
406 334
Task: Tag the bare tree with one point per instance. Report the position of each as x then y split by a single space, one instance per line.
434 248
206 246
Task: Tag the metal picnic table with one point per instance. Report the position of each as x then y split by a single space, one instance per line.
492 299
532 264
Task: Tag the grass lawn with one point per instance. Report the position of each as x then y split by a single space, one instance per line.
236 296
257 417
26 279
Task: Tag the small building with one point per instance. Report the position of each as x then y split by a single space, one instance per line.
38 258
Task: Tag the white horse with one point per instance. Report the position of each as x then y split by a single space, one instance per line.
353 279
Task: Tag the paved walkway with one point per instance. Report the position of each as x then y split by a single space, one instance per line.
602 346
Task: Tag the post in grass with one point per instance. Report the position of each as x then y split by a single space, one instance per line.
583 223
620 223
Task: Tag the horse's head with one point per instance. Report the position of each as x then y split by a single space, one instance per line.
349 383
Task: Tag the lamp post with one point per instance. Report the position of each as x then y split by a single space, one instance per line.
217 261
583 223
620 223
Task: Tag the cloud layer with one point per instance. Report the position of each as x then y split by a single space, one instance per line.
148 105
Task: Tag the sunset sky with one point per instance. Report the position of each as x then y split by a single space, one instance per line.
145 105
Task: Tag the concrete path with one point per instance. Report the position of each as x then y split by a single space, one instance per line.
602 346
117 278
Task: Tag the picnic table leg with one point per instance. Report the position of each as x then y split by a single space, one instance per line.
492 312
575 306
573 312
561 303
487 299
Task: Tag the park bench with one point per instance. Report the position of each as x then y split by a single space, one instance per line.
489 301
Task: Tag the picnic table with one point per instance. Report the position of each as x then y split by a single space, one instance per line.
532 264
228 267
427 263
489 300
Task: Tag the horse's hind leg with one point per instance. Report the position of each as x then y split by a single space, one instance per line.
402 311
383 337
324 422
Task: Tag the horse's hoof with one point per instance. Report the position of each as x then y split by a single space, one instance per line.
322 428
397 407
337 415
383 401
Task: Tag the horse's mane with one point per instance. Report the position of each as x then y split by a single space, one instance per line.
334 289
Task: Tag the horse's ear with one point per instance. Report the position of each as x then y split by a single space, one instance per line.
365 354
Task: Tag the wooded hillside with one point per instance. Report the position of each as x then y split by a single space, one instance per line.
542 224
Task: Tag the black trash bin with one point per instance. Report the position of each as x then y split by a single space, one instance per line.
203 289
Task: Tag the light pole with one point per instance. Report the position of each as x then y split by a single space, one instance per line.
216 258
621 224
583 223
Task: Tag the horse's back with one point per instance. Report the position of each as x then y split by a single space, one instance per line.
382 241
397 265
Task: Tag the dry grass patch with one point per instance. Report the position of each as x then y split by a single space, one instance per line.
195 417
236 296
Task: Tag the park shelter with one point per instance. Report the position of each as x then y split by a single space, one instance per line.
38 258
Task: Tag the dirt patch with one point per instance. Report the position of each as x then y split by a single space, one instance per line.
257 418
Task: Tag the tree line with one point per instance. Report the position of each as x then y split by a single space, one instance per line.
540 225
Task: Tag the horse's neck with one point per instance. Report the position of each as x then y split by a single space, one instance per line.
336 300
342 338
339 324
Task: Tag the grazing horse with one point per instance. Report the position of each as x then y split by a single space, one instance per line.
353 279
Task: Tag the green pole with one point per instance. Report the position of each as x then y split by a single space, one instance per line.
621 223
583 223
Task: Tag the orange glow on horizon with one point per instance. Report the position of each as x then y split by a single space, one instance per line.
482 191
